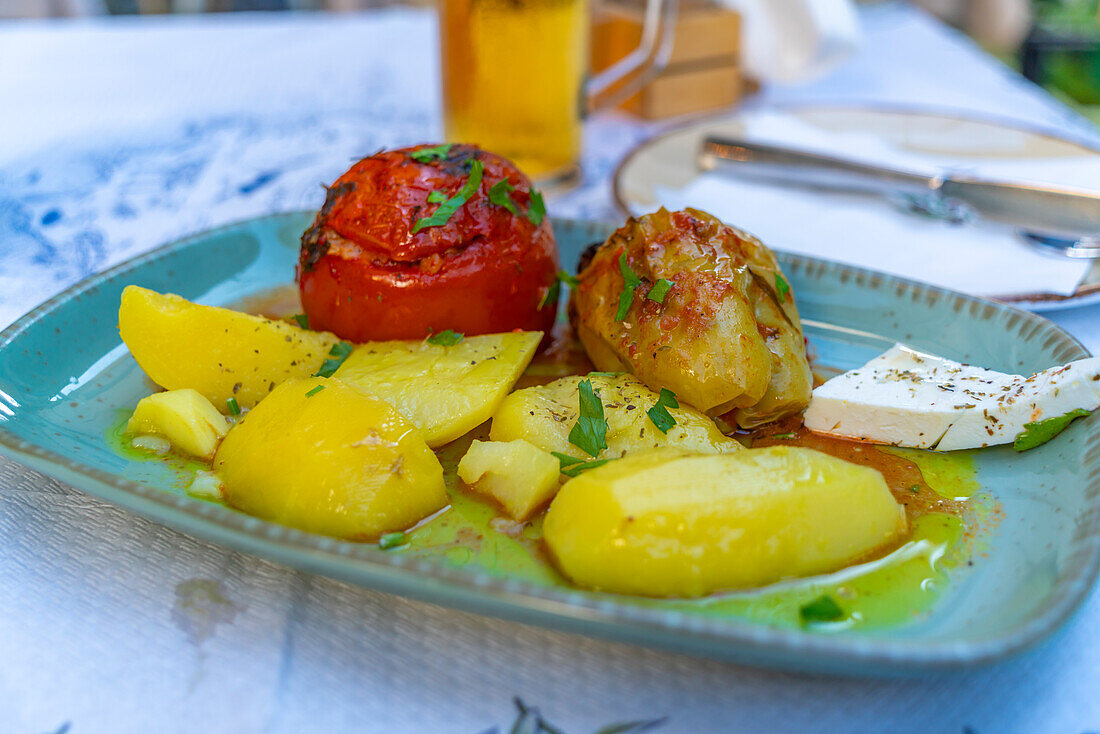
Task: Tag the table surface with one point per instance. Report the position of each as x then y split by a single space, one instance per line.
120 134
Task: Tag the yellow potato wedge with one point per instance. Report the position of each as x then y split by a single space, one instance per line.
327 458
221 353
446 391
520 476
184 417
544 415
668 523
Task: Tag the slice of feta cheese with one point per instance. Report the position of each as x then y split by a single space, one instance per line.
901 397
1048 394
906 398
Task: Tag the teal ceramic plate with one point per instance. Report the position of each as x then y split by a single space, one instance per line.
66 379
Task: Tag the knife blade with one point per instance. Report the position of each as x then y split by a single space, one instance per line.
1066 212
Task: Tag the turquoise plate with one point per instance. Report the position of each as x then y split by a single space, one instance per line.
65 379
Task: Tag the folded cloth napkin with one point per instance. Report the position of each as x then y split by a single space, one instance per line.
977 257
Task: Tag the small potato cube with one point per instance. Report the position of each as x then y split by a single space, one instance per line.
184 417
518 475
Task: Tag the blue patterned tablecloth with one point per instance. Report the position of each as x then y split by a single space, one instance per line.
120 135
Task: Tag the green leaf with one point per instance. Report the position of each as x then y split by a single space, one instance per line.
659 291
627 296
782 436
571 466
315 390
302 320
446 338
659 412
589 434
782 287
570 280
536 210
391 540
821 609
1036 434
499 194
436 197
435 152
447 209
606 374
337 355
551 295
233 406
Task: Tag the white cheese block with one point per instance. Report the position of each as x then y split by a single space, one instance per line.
1047 394
906 398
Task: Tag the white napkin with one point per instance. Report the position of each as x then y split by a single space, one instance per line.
982 257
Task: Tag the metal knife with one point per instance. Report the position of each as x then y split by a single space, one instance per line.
1035 208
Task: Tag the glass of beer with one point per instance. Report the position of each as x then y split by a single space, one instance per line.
515 77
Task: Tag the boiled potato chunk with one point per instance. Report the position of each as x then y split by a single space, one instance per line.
327 458
221 353
667 523
446 391
544 415
184 417
520 476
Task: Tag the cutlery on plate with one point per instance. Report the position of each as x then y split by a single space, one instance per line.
1062 220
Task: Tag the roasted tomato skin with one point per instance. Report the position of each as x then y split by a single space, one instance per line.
364 275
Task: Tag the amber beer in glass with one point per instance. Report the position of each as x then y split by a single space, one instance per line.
514 77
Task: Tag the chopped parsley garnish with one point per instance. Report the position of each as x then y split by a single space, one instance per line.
315 390
435 152
572 466
301 319
590 432
821 609
554 290
659 291
782 287
337 355
659 412
782 436
233 406
499 195
606 374
446 338
447 209
391 540
632 282
915 489
436 197
536 210
1036 434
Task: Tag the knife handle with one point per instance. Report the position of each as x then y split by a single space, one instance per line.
783 165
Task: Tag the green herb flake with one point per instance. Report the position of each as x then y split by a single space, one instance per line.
659 412
499 194
447 209
233 407
551 295
627 296
391 540
571 466
605 374
1036 434
821 609
782 436
446 338
536 210
570 280
435 152
915 489
659 290
301 319
782 287
437 197
315 390
337 355
589 434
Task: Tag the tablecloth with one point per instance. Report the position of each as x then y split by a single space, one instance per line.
120 134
